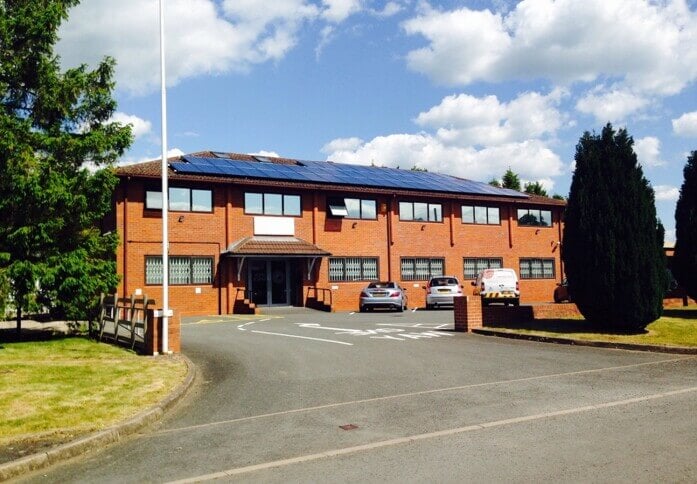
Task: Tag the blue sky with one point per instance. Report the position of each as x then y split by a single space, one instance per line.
467 88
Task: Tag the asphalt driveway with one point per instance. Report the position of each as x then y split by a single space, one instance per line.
399 397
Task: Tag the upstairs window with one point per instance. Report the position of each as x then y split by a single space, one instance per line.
534 217
271 204
352 208
420 212
472 214
181 200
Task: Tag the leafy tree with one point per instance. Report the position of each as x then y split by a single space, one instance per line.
510 180
613 248
417 168
685 257
535 188
51 124
556 196
495 183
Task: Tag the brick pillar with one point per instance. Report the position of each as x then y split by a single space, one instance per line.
467 311
153 341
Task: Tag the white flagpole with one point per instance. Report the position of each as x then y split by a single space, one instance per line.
165 190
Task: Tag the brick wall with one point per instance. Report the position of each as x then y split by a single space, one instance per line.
387 238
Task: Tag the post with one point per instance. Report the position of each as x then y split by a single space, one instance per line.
165 188
467 311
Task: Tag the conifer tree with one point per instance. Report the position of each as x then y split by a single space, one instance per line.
685 257
51 123
535 188
612 253
510 180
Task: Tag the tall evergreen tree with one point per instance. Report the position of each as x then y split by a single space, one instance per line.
51 123
535 188
685 257
612 252
510 180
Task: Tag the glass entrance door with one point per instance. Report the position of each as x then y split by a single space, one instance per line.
269 282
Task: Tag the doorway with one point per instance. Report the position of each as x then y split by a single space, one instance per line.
269 282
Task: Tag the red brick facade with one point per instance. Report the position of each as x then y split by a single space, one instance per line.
386 238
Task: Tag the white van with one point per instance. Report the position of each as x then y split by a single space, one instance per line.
497 285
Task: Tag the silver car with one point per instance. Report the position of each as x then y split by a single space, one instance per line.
441 290
383 295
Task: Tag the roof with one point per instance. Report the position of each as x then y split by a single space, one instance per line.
274 245
216 167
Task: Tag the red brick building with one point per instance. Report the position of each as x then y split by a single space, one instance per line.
276 231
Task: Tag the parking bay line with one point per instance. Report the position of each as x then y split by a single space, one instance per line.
414 394
431 435
303 337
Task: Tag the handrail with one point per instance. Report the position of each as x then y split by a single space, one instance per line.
322 296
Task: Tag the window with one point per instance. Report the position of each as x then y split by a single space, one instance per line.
420 212
271 204
480 215
181 200
537 268
421 269
353 208
353 269
182 270
474 265
534 217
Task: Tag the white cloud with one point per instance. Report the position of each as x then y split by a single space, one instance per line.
465 119
650 46
686 125
475 138
139 126
390 9
342 144
203 37
666 193
648 151
531 158
339 10
272 154
611 106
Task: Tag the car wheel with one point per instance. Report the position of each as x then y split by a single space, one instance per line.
557 299
362 309
516 302
400 308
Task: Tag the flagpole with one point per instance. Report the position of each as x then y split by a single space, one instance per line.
165 190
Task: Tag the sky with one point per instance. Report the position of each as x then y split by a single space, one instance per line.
467 88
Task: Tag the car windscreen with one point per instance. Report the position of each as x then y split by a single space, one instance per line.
445 281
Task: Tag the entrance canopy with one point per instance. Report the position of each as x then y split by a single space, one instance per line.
273 246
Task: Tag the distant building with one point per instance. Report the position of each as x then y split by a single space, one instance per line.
250 231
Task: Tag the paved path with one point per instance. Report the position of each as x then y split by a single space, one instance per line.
420 404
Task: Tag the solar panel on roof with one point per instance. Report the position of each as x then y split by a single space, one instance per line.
335 173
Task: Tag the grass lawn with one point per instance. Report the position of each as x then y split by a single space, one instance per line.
677 327
52 391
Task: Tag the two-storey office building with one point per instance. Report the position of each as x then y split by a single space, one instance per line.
278 231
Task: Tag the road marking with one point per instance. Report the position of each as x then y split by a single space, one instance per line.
304 337
430 435
423 392
231 318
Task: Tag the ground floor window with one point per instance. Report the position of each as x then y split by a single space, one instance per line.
183 270
353 269
537 268
474 265
421 269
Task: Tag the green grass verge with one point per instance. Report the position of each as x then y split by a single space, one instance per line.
677 327
51 391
